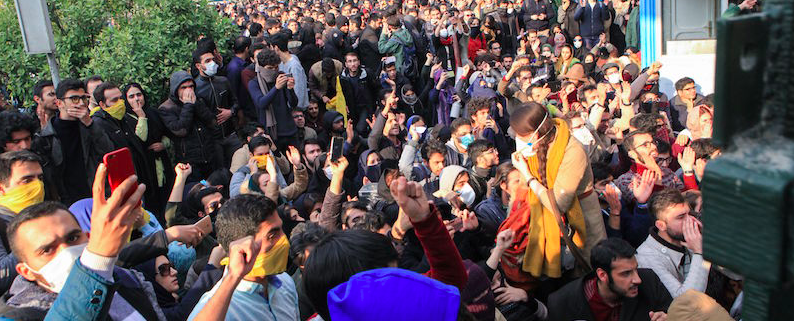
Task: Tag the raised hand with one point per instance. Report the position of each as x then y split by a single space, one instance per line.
183 170
242 256
470 222
687 159
612 195
520 163
410 197
293 155
504 240
189 235
338 167
692 235
509 294
112 219
642 190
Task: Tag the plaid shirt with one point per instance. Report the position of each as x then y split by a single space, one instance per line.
631 179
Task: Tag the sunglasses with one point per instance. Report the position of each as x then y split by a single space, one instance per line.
214 206
165 269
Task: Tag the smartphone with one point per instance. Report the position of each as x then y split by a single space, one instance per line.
205 225
450 74
119 166
336 148
288 75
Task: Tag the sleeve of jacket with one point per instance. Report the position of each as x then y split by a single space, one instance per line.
331 211
578 14
314 87
637 85
292 98
271 191
446 264
143 249
573 165
660 264
8 271
86 296
561 16
385 46
100 143
376 133
297 187
660 296
237 181
177 121
406 163
261 100
551 14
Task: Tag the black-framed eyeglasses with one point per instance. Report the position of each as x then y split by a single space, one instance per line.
664 160
645 144
75 99
165 269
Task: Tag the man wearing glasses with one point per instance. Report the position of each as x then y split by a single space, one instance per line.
686 98
72 142
642 151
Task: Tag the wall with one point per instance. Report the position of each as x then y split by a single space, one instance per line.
700 67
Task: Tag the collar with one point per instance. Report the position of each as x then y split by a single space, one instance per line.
482 172
654 232
257 288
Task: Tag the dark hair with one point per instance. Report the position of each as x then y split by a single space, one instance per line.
39 87
200 51
248 130
43 209
299 241
476 104
374 16
127 88
601 171
681 83
607 251
12 121
486 57
663 200
372 221
310 141
92 78
529 117
354 54
254 47
628 140
662 146
431 147
267 57
8 159
458 122
254 29
241 217
258 141
646 122
280 41
502 171
477 148
67 85
241 44
99 91
394 21
584 89
271 23
348 252
353 205
704 148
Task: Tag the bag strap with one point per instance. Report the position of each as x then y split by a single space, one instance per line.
577 253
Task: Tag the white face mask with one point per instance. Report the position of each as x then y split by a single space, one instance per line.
509 10
584 136
443 33
57 270
211 68
525 146
614 78
420 129
328 172
467 195
577 43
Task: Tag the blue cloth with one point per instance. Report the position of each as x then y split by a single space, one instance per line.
82 213
591 19
249 303
393 294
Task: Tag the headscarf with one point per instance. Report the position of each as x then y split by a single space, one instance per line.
693 120
149 271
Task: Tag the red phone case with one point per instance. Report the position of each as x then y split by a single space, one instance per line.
119 166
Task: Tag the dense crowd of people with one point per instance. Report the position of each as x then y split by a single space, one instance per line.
372 160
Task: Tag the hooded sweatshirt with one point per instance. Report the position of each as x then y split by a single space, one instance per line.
190 125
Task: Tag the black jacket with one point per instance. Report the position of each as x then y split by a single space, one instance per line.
569 303
217 93
536 7
190 126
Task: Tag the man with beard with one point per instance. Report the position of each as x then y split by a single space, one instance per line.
642 150
616 289
674 248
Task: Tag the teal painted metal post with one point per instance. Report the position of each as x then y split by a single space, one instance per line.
648 32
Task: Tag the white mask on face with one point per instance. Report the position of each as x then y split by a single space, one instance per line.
584 136
443 33
509 10
526 146
614 78
211 68
57 270
467 195
420 129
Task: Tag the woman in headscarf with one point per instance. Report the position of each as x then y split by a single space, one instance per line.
566 60
156 143
163 277
560 180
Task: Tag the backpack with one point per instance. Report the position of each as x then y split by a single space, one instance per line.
409 64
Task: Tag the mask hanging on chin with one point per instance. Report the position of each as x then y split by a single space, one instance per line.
57 270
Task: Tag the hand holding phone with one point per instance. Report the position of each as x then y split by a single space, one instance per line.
119 166
336 148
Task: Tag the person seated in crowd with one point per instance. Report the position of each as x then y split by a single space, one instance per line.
616 289
674 248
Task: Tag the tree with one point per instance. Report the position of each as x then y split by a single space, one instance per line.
123 41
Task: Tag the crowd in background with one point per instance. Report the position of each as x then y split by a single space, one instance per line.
372 160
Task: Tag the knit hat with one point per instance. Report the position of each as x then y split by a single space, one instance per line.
696 306
632 69
393 294
447 180
477 294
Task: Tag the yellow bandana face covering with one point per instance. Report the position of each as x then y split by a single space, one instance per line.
116 110
22 196
271 263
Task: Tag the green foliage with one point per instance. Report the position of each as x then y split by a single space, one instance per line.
123 41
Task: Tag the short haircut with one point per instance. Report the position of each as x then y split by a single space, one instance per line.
476 104
310 141
99 91
663 200
394 21
12 121
8 159
607 251
601 171
271 23
299 241
254 29
349 252
39 87
477 148
241 217
662 146
703 148
91 79
254 47
258 141
43 209
646 122
351 53
583 90
241 44
486 57
200 52
248 130
267 57
431 147
628 140
280 41
67 85
683 82
375 16
459 122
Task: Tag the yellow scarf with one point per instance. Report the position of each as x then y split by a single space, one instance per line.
338 103
271 263
22 196
542 255
116 110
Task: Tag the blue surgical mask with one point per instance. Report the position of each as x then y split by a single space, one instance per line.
466 140
212 68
